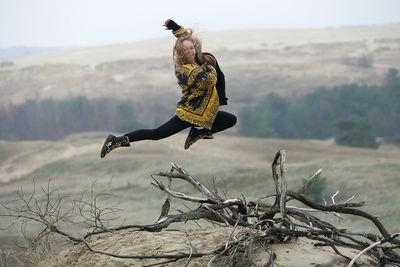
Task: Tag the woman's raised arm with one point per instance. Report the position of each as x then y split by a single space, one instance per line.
177 30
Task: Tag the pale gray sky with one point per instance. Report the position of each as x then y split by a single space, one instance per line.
66 23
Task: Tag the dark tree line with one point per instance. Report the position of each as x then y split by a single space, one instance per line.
53 119
353 114
349 109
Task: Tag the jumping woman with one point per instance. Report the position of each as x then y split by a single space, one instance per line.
203 91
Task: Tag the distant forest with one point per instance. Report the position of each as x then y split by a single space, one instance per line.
360 111
52 119
321 114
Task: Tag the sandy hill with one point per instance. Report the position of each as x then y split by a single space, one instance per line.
239 165
256 62
297 252
370 38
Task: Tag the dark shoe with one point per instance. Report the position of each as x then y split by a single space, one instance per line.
112 142
195 135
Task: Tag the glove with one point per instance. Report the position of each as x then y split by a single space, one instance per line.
171 25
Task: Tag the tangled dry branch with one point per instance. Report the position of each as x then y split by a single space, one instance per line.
264 223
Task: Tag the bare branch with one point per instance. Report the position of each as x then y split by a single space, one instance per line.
184 175
342 209
309 182
283 183
179 195
191 249
388 239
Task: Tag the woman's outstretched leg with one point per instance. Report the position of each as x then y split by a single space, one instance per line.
169 128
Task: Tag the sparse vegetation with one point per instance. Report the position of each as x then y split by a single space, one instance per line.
363 61
316 114
7 64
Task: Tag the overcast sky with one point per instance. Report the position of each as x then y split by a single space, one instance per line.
72 23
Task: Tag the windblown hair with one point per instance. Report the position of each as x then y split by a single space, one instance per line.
179 53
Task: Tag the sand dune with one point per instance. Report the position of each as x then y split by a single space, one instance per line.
213 41
297 252
241 166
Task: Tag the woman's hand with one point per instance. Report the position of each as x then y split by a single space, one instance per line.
169 24
166 23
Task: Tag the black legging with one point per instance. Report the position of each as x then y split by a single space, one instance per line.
224 120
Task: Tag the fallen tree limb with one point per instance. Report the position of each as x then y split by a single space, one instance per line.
387 239
199 213
343 209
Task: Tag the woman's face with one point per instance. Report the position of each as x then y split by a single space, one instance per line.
190 51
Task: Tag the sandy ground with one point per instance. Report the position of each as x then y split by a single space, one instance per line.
297 252
74 165
34 155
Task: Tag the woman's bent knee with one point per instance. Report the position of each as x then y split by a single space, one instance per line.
234 120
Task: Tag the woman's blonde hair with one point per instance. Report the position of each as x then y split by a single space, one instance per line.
179 52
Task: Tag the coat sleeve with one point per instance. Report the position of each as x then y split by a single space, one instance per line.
223 100
181 32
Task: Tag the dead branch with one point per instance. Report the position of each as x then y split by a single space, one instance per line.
344 208
309 182
209 194
283 188
201 212
388 239
191 250
271 260
179 195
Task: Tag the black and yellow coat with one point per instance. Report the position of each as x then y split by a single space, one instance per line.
199 104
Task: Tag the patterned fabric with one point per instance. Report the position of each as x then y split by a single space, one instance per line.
181 32
199 103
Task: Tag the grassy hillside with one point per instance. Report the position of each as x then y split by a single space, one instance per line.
256 62
239 165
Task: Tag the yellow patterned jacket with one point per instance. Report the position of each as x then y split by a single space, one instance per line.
199 103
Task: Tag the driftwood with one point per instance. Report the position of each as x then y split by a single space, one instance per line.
264 223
